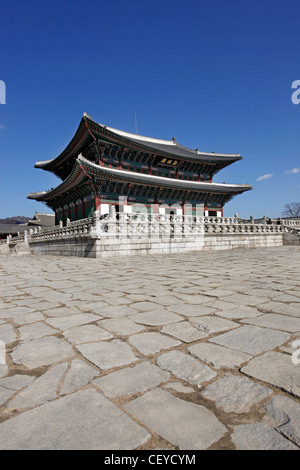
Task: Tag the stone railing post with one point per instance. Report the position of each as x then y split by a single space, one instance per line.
177 220
154 226
96 227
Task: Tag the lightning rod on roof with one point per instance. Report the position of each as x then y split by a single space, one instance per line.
135 120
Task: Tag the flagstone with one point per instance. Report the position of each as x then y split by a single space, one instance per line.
184 331
16 382
41 352
284 414
218 356
251 339
79 375
185 367
155 317
3 370
240 312
107 354
5 395
114 311
213 324
259 437
192 310
7 333
152 342
277 369
64 323
276 321
121 326
61 312
41 390
131 380
235 394
86 334
184 424
84 420
35 330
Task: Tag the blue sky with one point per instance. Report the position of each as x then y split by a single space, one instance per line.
215 74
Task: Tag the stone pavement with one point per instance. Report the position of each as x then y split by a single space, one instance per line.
183 351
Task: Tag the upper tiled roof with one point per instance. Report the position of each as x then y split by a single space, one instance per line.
89 131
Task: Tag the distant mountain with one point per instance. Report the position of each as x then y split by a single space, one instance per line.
19 219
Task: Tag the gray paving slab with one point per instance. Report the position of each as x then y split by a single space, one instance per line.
16 382
41 390
259 437
240 312
7 333
5 395
107 354
131 380
61 311
87 353
213 324
65 323
152 342
155 317
251 339
121 326
185 367
35 330
277 369
284 415
113 311
41 352
184 331
276 321
79 375
235 394
3 370
103 429
189 310
184 424
218 356
86 334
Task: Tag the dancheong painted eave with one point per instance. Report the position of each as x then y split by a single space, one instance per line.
90 132
84 168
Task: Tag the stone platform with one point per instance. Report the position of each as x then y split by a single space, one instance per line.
182 351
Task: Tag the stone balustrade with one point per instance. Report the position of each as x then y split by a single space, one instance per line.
291 222
139 225
137 234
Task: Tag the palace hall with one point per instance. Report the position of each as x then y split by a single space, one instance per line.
103 167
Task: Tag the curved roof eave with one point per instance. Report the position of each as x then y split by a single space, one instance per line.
155 146
83 166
